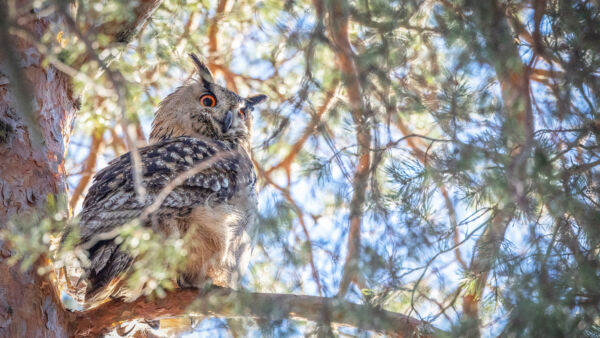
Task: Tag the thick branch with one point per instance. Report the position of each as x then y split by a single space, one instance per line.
338 29
230 303
123 32
120 32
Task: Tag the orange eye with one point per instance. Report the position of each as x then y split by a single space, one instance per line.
208 100
242 113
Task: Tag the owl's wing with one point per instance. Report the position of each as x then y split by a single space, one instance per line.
218 173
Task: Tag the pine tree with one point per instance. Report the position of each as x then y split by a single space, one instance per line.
434 159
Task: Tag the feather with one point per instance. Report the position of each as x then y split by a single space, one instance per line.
111 201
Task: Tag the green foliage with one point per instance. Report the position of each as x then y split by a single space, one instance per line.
450 150
31 236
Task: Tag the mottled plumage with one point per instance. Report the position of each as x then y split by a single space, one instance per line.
206 139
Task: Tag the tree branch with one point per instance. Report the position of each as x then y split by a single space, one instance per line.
231 303
214 62
142 12
338 29
123 32
288 197
421 156
310 129
214 27
502 53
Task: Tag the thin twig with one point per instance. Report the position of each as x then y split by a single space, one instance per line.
288 196
88 167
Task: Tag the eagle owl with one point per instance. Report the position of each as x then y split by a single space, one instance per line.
201 137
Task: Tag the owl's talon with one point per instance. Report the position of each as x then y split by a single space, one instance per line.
154 324
116 298
124 329
182 283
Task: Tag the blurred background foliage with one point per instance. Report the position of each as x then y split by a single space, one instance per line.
448 170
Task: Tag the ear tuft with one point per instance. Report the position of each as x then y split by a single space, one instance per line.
256 99
204 72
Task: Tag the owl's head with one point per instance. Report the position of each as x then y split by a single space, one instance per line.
202 108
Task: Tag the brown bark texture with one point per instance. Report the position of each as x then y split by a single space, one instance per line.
37 109
230 304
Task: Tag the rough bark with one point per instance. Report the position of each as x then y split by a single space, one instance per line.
229 303
38 107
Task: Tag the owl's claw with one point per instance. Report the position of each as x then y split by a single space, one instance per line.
124 329
182 283
154 324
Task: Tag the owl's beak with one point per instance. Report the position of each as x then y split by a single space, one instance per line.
227 121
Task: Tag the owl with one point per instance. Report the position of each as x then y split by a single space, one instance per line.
199 154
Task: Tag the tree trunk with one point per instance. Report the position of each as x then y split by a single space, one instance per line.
36 114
